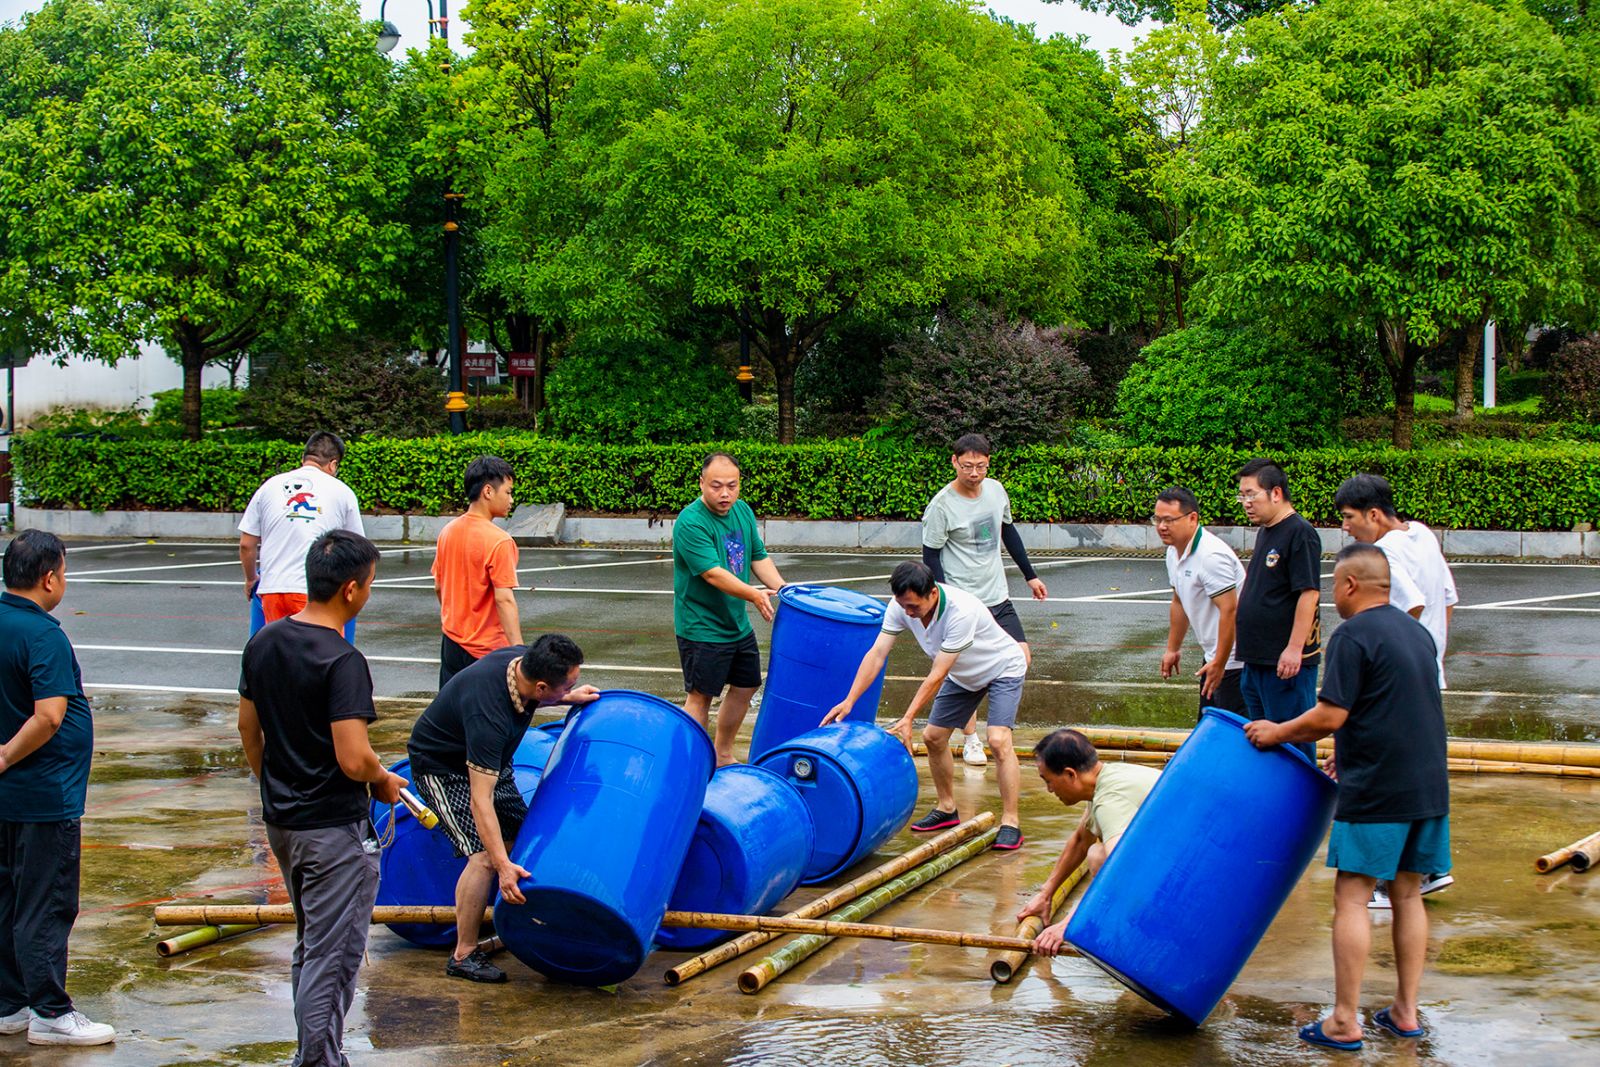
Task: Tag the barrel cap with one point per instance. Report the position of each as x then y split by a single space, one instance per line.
831 602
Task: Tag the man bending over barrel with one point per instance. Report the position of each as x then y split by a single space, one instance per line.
972 657
461 751
1072 771
1380 700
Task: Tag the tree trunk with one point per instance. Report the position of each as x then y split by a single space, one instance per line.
782 351
541 349
1467 370
1400 359
193 358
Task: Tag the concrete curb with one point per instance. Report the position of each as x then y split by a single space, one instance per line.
549 524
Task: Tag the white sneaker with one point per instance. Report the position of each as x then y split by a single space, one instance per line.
1435 882
972 753
1380 897
16 1022
73 1028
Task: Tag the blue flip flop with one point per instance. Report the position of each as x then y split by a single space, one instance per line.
1313 1035
1386 1021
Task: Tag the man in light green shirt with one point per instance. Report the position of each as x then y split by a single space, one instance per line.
1072 770
716 546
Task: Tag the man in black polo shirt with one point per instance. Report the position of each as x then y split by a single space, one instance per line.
46 740
305 699
1278 634
461 751
1380 700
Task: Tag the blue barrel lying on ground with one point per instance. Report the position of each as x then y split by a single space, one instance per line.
749 849
860 784
605 838
818 639
1206 864
420 866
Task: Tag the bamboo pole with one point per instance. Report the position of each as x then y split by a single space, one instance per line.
835 898
267 914
1550 861
206 935
758 977
1005 966
826 929
1581 756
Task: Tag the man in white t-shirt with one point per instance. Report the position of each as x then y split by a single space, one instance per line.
963 527
1418 586
1205 575
285 517
972 658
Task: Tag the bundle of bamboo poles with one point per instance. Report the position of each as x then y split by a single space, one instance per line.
1582 854
835 898
758 977
1004 967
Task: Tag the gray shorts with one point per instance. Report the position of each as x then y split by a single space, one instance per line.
953 705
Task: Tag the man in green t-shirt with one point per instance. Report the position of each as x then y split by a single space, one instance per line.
716 546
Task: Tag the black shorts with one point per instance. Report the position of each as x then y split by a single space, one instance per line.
453 659
1006 615
709 666
1229 695
450 797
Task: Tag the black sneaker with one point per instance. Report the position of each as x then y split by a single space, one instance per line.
476 967
936 820
1009 839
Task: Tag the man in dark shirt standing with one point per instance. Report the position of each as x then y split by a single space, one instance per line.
305 699
461 751
48 738
1279 636
1380 700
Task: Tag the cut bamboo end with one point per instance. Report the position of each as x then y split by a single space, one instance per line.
1588 848
206 935
1005 966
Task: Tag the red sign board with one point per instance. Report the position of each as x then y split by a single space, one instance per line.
522 364
478 364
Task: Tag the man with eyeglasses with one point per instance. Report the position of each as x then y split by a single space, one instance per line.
1205 575
1279 637
963 528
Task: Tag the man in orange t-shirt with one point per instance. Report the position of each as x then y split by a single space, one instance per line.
475 572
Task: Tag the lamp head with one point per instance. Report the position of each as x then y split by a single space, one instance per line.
388 37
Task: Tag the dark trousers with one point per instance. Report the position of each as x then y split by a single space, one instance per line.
1266 696
332 875
38 904
453 659
1229 695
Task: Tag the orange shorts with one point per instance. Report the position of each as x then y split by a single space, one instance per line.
277 606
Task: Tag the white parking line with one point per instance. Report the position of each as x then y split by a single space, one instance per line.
1525 600
105 548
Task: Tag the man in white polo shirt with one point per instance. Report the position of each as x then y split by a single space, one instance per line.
1205 575
285 517
972 657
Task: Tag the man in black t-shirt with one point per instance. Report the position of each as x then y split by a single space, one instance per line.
1380 699
461 751
305 699
1278 636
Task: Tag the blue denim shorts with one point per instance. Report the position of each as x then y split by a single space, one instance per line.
1383 849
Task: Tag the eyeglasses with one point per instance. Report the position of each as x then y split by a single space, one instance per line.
1168 520
972 468
1248 495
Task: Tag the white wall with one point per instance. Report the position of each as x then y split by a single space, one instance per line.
42 385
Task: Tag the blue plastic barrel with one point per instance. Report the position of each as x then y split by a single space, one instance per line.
605 838
748 852
420 866
818 639
860 784
1206 864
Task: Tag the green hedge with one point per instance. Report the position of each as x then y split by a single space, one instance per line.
1498 486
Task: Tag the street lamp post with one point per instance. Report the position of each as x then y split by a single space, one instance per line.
456 400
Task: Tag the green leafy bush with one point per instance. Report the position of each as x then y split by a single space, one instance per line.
1572 389
653 390
1109 357
500 411
1228 386
352 388
220 408
1480 486
975 370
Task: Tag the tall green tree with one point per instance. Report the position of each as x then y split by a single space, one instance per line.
783 162
1224 14
1419 166
190 172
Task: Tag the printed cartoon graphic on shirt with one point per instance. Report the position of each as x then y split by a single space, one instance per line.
982 533
301 502
733 545
1272 558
